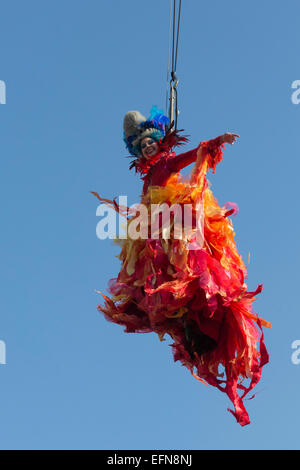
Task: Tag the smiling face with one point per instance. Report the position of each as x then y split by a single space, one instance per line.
149 147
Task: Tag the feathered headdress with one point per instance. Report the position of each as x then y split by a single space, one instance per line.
137 127
157 126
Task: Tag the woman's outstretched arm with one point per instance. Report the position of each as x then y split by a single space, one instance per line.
182 160
211 150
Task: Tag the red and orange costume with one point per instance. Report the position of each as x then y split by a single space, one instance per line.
198 297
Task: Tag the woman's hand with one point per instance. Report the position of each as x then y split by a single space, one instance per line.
229 138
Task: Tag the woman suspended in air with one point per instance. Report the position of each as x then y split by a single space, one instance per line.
188 284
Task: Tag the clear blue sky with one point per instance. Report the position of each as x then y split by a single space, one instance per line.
72 70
